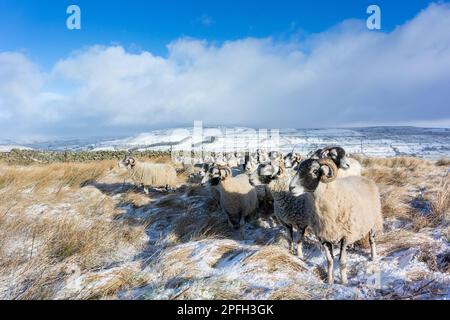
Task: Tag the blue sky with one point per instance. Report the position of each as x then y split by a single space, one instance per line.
38 26
142 65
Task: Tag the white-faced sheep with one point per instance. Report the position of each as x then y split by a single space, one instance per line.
156 175
346 209
348 166
237 197
292 212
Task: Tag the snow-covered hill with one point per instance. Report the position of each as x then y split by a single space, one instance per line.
372 141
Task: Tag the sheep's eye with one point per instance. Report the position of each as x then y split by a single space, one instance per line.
316 171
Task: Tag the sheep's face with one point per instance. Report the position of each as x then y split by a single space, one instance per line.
338 156
275 156
264 174
204 170
310 173
291 160
250 167
127 162
215 175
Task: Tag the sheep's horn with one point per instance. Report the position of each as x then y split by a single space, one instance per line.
322 152
331 166
281 169
227 170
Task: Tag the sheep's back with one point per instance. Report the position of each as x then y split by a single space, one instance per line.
155 174
350 208
355 169
238 195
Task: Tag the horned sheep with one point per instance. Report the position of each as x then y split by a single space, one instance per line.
237 197
348 166
156 175
292 212
346 209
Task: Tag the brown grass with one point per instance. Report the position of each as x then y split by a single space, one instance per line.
273 259
191 227
53 216
291 292
122 279
405 180
75 226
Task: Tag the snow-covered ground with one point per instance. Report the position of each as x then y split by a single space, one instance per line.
372 141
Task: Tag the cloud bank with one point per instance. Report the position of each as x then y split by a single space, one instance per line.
344 76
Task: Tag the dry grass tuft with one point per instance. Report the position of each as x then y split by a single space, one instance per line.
291 292
273 259
177 263
122 279
192 226
402 239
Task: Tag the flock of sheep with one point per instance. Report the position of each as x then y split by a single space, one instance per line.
324 191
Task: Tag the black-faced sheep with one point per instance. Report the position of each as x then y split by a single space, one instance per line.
156 175
348 166
292 212
292 160
346 209
237 197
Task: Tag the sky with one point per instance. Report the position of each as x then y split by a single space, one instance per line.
140 65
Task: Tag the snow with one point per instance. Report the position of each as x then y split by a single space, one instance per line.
9 147
371 141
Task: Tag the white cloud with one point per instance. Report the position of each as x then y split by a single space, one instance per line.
346 75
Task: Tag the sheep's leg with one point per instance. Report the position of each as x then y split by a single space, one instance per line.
373 247
295 240
301 233
328 247
242 226
343 261
146 190
290 237
271 222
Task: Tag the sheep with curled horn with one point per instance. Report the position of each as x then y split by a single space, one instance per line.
144 174
346 209
292 212
238 198
348 166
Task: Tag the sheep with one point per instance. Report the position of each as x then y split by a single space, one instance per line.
292 160
349 166
346 209
237 197
265 199
214 193
157 175
231 160
292 212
